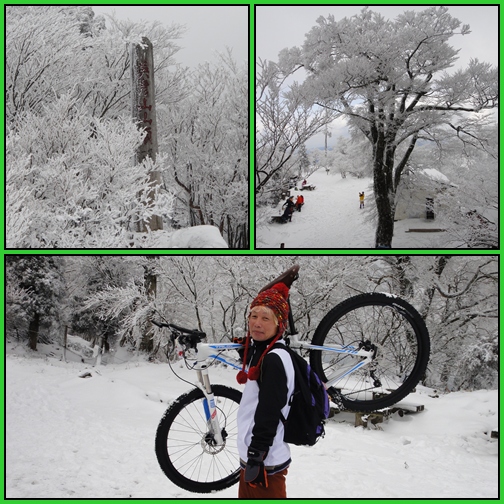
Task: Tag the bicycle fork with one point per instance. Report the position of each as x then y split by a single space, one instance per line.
215 433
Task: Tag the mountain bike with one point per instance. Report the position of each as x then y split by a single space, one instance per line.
370 350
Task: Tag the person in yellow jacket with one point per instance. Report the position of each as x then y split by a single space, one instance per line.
361 199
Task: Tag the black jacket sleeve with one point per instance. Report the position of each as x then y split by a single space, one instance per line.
272 398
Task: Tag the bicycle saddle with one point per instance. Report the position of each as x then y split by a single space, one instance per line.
287 277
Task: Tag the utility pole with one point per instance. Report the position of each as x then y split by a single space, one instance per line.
144 114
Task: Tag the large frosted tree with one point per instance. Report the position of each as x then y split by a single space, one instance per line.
390 79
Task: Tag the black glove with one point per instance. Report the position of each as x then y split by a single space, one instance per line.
255 473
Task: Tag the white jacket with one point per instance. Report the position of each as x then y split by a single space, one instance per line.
279 452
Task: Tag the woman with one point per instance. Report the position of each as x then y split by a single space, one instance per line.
268 375
289 204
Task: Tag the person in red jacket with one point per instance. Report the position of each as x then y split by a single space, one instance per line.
299 202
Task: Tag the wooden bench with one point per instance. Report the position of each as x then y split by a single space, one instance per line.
365 419
376 417
426 230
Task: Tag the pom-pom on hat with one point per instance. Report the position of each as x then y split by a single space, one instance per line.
274 298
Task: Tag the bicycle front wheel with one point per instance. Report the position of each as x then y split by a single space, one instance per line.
187 450
384 324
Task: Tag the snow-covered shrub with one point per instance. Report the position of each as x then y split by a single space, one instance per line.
478 367
34 295
77 186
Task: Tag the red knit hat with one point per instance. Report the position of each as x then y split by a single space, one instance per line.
274 298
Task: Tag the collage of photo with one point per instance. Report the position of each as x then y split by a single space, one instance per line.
251 251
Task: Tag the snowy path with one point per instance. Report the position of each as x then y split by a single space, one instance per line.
330 218
69 437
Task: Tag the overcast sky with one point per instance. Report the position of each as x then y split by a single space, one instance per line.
209 29
278 27
285 26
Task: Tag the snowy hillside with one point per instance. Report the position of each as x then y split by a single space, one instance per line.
331 219
74 437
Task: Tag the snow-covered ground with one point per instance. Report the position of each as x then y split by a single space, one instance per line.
331 219
196 237
74 437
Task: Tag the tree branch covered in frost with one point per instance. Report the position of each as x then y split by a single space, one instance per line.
285 121
130 306
205 137
476 276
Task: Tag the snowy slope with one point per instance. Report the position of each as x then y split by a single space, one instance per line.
72 437
331 219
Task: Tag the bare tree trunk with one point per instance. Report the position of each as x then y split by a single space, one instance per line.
144 115
150 282
65 339
384 198
33 331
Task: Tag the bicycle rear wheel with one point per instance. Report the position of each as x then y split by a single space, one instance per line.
187 451
390 327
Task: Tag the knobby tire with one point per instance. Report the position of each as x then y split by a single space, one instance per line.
184 446
402 345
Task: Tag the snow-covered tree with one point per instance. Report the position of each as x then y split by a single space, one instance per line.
303 161
391 80
471 209
78 185
56 50
462 315
351 156
42 45
116 300
284 122
206 140
88 277
70 175
34 295
458 298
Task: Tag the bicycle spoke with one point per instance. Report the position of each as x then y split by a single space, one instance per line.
387 326
190 447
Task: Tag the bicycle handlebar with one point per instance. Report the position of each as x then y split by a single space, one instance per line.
191 337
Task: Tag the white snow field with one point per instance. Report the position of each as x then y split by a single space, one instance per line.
331 219
72 437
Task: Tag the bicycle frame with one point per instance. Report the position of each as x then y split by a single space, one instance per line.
202 353
206 351
367 356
